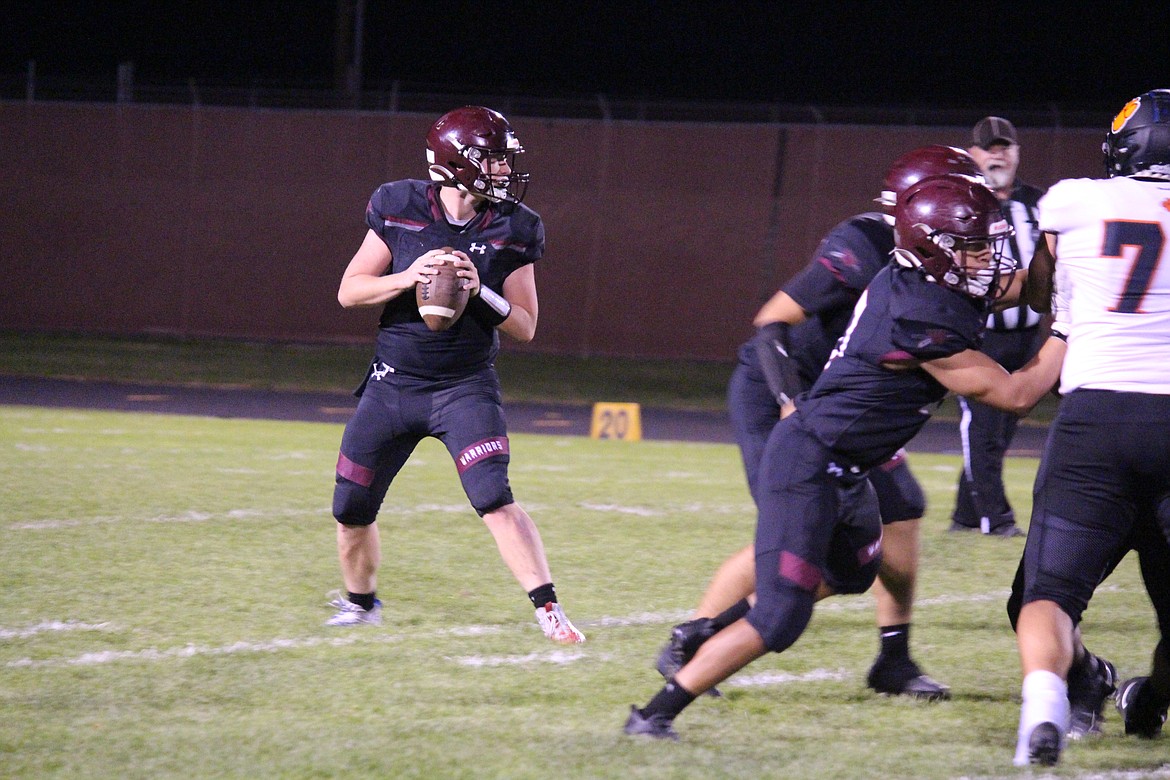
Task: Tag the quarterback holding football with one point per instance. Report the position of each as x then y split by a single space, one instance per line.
433 371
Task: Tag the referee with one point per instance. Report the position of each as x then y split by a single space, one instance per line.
1013 337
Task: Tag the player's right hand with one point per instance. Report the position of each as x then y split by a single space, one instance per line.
424 267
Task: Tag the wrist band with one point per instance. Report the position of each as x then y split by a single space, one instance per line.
495 302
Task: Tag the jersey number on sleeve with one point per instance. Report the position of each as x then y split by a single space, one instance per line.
1148 238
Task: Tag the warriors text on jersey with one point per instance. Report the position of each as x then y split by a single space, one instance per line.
1113 248
500 238
865 411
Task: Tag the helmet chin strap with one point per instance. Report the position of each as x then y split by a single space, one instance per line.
439 174
977 286
484 187
906 259
973 286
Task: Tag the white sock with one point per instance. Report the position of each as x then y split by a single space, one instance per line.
1045 701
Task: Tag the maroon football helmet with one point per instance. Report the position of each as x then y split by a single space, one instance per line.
474 149
917 164
952 230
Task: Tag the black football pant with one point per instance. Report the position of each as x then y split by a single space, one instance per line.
1103 488
754 412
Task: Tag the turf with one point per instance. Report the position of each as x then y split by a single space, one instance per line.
162 599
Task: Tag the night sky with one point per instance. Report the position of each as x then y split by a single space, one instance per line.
946 54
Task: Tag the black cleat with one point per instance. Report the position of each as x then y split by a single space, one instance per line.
904 678
656 726
1044 745
1090 683
685 641
669 659
1143 716
1006 530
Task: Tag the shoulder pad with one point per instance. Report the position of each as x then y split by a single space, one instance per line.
931 321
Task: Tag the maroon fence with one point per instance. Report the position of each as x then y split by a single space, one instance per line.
663 238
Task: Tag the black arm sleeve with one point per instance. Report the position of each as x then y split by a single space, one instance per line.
780 371
485 313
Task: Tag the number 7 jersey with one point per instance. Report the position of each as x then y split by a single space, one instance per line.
1113 254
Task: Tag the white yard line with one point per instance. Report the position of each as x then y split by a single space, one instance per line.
692 508
53 626
780 678
620 509
205 516
638 619
190 516
187 651
369 635
201 516
559 657
1118 774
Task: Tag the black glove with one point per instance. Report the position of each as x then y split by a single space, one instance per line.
780 370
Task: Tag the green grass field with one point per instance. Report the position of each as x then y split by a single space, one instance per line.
162 598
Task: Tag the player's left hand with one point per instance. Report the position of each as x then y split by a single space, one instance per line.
468 272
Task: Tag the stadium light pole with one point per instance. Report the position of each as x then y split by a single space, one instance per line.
348 40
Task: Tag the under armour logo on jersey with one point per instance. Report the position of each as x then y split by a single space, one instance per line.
840 471
378 371
869 553
932 336
479 249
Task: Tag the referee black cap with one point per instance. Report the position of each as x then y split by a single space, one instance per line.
993 130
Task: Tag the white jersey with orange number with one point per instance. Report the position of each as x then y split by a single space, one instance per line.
1113 247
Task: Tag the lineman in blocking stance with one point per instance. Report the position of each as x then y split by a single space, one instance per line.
797 329
913 336
1103 485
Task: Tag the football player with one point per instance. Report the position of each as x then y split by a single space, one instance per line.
913 336
443 383
1103 485
797 329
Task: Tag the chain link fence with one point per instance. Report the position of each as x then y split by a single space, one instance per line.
398 96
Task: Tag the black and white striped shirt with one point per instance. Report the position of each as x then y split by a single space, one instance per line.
1023 212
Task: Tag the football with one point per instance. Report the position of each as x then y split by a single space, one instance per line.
441 300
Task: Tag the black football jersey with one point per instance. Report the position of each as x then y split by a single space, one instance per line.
407 215
848 258
866 412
